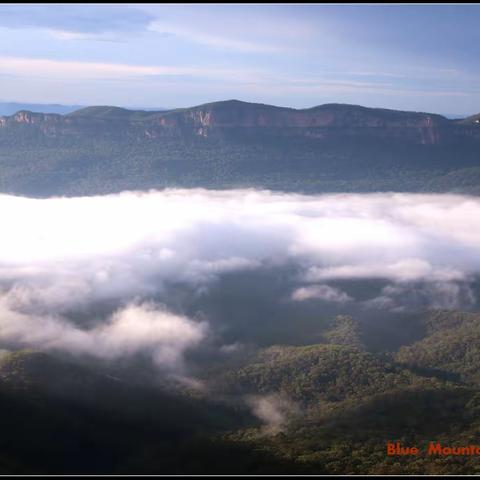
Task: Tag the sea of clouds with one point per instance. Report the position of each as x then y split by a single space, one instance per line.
59 256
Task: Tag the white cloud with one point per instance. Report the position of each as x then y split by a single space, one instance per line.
320 292
137 328
408 269
106 243
64 255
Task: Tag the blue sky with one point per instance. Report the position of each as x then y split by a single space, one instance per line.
411 57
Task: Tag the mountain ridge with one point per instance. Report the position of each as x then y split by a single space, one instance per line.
235 144
319 121
233 102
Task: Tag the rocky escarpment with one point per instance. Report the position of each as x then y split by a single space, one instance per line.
328 148
327 122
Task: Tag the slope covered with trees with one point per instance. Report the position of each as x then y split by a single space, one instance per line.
327 408
236 144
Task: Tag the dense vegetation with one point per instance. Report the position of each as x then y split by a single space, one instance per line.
336 405
350 402
107 149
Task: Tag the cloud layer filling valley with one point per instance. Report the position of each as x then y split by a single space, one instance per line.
61 254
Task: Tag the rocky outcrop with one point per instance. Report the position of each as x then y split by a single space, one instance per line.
325 122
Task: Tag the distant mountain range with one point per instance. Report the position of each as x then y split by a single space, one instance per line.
332 147
9 108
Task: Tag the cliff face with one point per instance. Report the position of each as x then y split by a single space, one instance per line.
327 122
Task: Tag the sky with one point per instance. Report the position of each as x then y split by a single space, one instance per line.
408 57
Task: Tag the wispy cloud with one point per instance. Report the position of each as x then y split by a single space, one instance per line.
218 41
144 328
288 85
59 69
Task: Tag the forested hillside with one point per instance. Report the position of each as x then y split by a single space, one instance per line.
236 144
330 408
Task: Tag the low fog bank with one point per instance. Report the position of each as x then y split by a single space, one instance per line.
163 273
